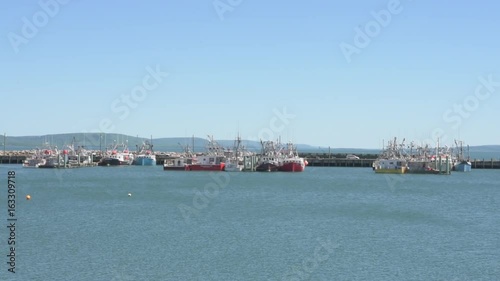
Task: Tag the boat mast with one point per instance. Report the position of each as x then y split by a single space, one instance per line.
151 144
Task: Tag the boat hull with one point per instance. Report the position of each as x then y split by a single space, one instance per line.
233 168
47 166
33 163
144 161
267 167
423 171
463 167
210 167
400 170
113 162
292 167
174 168
421 167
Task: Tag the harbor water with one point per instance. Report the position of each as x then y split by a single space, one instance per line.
143 223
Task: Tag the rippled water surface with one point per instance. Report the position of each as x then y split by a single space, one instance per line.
322 224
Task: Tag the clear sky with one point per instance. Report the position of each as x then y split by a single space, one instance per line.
324 73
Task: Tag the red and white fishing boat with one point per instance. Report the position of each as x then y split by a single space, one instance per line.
290 160
206 163
275 157
212 160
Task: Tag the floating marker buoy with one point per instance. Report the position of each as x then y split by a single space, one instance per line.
129 194
28 197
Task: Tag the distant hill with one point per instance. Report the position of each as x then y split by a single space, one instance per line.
98 141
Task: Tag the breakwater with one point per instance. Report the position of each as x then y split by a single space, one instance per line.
313 161
476 163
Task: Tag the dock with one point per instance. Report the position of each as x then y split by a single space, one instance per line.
312 161
364 163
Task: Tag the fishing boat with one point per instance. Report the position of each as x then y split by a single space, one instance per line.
52 161
207 163
179 162
390 160
234 162
269 157
233 165
212 160
462 164
48 157
35 160
395 159
420 161
390 166
119 155
290 160
76 155
145 155
422 166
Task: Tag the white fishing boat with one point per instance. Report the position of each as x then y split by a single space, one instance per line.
234 162
48 157
35 160
145 155
76 155
390 160
462 164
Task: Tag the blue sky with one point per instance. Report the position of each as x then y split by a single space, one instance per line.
263 68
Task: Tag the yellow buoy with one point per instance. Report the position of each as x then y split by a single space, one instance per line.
28 197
